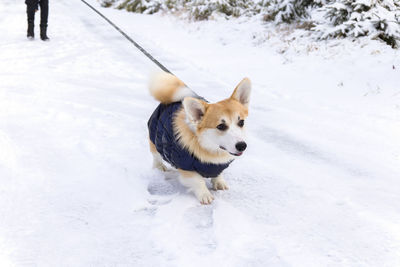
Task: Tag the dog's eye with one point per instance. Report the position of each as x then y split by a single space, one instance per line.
222 127
241 123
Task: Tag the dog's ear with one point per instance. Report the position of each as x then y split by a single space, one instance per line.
194 108
242 92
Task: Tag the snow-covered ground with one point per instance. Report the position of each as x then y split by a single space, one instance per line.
318 186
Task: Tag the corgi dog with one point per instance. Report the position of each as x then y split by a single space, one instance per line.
197 138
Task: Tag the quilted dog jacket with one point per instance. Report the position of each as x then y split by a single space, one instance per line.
162 135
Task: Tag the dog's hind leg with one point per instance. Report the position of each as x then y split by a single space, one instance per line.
195 182
157 159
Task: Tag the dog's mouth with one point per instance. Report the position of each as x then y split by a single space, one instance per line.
234 154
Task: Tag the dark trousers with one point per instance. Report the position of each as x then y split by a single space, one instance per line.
31 7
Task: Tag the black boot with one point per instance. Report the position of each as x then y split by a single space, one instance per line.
30 11
31 33
43 33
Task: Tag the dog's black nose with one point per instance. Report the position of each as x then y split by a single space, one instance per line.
241 146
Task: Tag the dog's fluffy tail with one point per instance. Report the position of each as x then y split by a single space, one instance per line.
167 88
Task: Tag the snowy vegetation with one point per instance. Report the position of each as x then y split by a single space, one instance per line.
197 9
376 18
379 19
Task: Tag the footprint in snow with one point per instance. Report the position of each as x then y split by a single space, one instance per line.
163 189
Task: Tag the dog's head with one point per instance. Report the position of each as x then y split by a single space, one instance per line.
221 126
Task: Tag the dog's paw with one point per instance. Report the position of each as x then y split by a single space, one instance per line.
219 184
205 197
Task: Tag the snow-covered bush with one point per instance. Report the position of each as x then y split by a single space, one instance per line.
196 9
137 6
203 9
354 18
107 3
379 19
287 10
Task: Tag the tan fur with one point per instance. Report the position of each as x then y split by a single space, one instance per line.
186 174
153 148
164 86
229 108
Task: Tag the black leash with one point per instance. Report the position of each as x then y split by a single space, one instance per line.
147 54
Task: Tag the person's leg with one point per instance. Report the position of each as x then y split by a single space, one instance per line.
30 11
44 14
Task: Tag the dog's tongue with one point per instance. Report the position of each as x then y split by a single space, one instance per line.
236 154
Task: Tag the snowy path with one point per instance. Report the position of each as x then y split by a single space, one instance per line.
318 186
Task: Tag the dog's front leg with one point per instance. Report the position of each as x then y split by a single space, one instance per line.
195 182
219 183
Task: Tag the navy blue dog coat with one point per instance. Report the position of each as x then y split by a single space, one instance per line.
163 137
